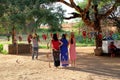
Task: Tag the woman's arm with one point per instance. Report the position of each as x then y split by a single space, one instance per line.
61 43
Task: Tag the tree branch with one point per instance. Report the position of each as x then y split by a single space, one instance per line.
77 8
89 23
88 5
108 12
72 5
75 15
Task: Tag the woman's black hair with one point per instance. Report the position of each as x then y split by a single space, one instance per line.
63 36
55 37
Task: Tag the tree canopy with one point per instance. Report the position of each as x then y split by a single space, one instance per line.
90 5
25 12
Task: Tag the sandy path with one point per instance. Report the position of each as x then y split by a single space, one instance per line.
89 67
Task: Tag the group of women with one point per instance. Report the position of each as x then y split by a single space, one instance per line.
63 50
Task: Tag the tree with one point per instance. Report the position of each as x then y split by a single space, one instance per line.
22 12
93 19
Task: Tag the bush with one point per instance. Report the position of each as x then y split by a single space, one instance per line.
1 47
4 52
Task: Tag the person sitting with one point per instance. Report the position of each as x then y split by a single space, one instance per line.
112 49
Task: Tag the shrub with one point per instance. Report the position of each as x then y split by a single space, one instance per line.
4 52
1 47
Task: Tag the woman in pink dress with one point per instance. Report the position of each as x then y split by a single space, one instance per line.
72 49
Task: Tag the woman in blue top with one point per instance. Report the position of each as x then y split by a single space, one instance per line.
64 51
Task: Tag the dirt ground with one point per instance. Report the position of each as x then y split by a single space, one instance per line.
88 67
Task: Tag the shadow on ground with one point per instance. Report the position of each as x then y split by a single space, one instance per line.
100 65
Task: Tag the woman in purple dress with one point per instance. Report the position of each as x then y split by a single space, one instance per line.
64 51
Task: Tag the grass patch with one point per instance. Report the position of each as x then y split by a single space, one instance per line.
4 52
43 47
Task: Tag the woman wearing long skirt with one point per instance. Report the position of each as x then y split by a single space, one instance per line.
64 51
55 44
72 49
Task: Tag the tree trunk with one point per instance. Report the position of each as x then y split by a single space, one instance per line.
98 38
98 34
97 28
14 40
13 35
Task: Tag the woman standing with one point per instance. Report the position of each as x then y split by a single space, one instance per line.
35 46
55 44
64 51
72 49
